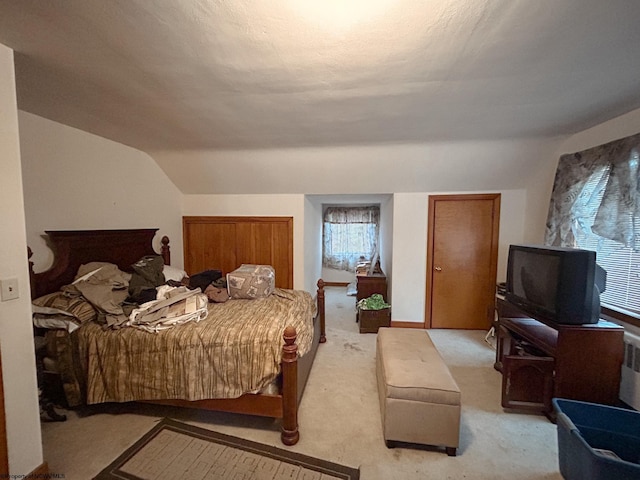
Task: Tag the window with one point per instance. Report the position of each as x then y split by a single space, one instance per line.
350 235
621 262
595 205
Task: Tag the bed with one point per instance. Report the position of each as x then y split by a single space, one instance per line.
122 248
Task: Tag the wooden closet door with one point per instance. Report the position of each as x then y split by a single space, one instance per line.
225 243
209 246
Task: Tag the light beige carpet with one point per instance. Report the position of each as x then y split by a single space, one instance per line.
339 417
174 450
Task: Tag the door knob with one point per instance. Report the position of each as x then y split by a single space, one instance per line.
438 269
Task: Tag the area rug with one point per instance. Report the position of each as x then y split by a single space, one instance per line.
174 450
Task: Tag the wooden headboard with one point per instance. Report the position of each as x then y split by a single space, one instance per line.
72 248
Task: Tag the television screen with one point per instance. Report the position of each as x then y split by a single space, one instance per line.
529 268
559 284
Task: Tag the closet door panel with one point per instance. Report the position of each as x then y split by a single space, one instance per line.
225 243
282 253
244 243
263 246
209 247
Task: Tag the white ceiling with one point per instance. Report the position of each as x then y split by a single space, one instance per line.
244 74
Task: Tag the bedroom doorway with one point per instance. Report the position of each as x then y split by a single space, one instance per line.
462 255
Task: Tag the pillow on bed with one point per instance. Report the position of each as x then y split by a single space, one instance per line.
77 306
173 273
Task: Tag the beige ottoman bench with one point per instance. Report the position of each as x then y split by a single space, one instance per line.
419 399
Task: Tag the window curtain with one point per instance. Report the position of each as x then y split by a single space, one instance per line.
597 191
350 235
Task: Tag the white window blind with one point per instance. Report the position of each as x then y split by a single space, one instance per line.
621 263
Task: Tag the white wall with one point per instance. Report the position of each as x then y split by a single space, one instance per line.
386 242
74 180
312 244
407 173
16 333
513 226
365 170
619 127
402 175
521 171
409 256
258 205
410 219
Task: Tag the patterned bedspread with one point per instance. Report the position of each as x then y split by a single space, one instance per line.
235 350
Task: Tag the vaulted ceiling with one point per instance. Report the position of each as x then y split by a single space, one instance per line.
250 74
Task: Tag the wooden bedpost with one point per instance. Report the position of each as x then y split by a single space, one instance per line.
31 273
290 434
165 250
323 337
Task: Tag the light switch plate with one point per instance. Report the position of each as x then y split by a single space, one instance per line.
9 289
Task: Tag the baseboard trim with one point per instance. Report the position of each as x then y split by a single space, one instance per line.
336 284
397 324
42 471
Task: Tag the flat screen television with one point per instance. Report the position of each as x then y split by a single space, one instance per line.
559 284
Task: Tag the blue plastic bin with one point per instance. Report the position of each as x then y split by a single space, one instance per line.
597 442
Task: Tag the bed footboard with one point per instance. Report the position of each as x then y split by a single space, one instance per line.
323 337
294 379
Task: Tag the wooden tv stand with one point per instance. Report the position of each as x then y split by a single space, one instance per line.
540 360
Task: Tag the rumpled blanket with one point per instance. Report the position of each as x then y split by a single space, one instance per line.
235 350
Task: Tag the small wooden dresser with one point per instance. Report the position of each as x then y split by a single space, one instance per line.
368 284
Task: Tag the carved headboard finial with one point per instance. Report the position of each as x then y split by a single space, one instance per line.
165 250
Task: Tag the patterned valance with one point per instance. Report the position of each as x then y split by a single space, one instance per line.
597 190
359 214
